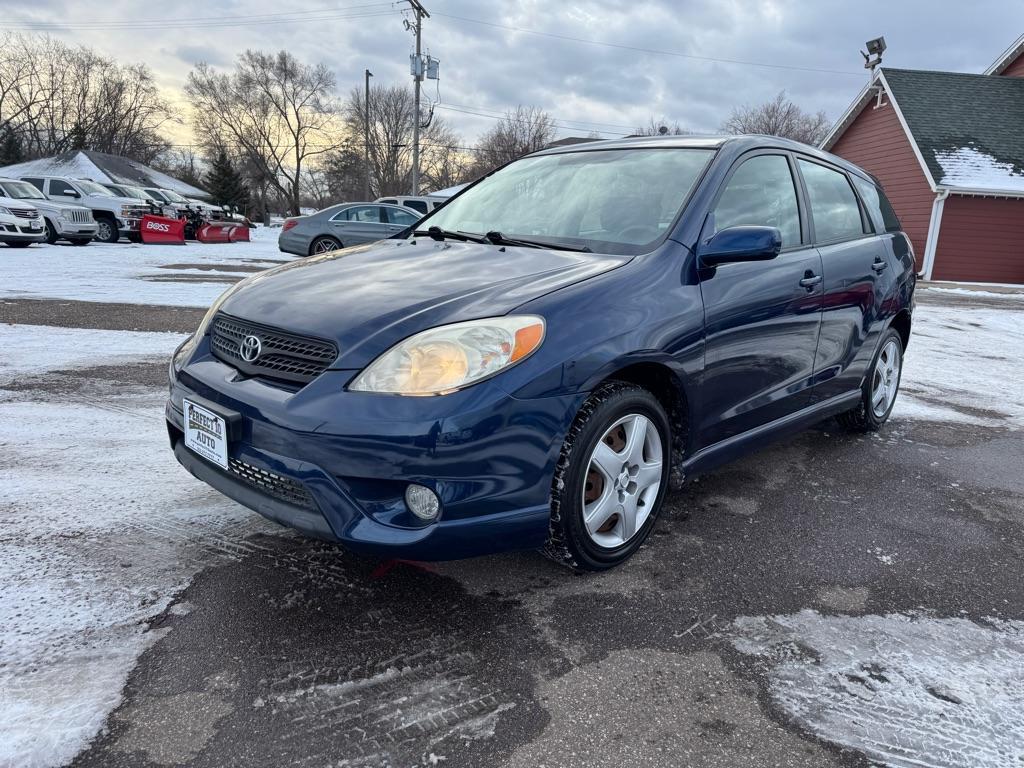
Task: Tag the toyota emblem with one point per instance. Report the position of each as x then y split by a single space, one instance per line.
250 348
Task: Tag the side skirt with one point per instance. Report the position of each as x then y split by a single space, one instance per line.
739 445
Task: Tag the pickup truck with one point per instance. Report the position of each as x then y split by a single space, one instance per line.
61 221
116 217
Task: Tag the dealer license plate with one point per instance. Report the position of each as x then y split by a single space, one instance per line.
34 225
206 433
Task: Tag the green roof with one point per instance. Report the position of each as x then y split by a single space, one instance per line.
968 128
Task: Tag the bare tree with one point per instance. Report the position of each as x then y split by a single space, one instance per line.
390 150
524 130
779 117
56 97
280 112
660 127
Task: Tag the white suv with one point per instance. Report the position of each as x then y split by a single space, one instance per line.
115 216
422 205
20 223
61 221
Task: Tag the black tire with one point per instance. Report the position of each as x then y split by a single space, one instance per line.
569 544
51 231
19 244
81 241
323 244
107 232
864 417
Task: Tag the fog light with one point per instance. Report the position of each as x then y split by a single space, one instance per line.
422 502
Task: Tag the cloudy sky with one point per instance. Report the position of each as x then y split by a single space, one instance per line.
689 61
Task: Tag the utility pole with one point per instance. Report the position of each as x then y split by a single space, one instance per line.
366 136
419 11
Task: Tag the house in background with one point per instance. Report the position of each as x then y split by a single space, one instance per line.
101 167
949 149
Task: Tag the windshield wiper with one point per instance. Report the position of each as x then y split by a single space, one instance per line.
436 233
499 239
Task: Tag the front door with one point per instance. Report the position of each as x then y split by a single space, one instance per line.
761 318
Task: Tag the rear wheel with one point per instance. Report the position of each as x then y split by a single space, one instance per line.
882 383
323 245
51 231
611 478
106 230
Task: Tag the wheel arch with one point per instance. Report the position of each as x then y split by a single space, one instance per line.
901 324
664 383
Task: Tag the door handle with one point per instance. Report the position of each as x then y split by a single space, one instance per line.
880 266
810 281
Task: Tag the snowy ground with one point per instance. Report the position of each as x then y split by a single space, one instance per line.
190 275
101 531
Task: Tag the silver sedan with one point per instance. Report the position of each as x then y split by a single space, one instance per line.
343 225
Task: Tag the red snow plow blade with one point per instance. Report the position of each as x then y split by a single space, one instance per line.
239 234
214 232
162 230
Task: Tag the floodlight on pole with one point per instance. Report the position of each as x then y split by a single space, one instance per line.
873 57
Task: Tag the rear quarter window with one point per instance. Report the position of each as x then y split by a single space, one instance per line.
416 205
37 183
878 206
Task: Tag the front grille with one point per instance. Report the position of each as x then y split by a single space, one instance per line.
81 216
281 488
283 356
25 213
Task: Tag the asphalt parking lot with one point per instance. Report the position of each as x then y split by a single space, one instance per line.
836 600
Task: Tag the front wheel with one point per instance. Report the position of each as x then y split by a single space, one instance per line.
106 230
881 384
611 478
51 231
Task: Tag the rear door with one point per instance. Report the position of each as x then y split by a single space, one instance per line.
761 318
857 276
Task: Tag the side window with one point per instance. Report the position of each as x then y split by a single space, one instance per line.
58 187
761 193
364 213
872 202
416 205
403 218
37 183
834 207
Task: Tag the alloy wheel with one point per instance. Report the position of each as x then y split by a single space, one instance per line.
623 477
885 379
325 245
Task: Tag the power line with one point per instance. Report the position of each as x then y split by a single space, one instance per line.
290 17
657 51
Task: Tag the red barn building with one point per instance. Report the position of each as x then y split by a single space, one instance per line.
949 149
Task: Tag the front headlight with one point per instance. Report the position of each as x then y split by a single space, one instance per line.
5 211
448 358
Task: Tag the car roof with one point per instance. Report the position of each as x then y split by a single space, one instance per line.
739 144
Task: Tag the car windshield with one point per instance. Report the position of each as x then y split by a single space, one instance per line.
135 192
156 194
610 201
92 188
174 197
21 190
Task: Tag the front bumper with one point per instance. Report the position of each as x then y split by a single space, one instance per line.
14 229
66 228
487 455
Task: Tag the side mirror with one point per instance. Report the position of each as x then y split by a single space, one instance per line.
72 193
740 244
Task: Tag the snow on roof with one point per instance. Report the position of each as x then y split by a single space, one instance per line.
970 168
448 192
77 165
99 166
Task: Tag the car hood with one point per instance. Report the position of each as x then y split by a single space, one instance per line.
17 203
54 205
367 298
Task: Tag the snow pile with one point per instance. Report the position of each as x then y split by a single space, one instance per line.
134 273
970 168
905 690
99 529
42 348
77 166
965 365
